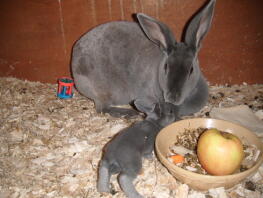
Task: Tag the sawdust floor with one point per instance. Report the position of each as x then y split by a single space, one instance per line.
51 147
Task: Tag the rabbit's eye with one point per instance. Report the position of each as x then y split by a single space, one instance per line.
191 70
166 68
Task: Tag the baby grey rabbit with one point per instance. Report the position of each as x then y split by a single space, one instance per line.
118 62
124 153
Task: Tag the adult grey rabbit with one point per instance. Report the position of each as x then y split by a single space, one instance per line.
117 62
124 153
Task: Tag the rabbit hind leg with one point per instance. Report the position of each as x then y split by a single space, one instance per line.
127 186
104 178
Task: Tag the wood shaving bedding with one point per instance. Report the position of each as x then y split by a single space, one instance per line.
51 147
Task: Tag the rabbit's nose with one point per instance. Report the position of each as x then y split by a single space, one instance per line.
172 98
177 99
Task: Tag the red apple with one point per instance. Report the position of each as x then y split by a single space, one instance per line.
219 153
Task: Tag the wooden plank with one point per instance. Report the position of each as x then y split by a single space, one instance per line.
37 36
31 42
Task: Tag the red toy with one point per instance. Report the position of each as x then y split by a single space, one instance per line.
65 85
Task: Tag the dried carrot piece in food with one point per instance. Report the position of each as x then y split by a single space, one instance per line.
177 158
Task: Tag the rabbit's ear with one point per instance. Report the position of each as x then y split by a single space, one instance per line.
200 25
157 32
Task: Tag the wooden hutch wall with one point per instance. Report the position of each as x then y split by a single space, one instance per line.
36 36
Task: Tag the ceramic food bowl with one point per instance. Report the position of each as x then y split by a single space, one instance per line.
168 135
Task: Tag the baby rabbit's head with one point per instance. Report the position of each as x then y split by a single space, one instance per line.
166 113
162 113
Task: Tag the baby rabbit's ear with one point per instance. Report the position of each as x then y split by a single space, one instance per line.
151 110
200 25
157 109
157 32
